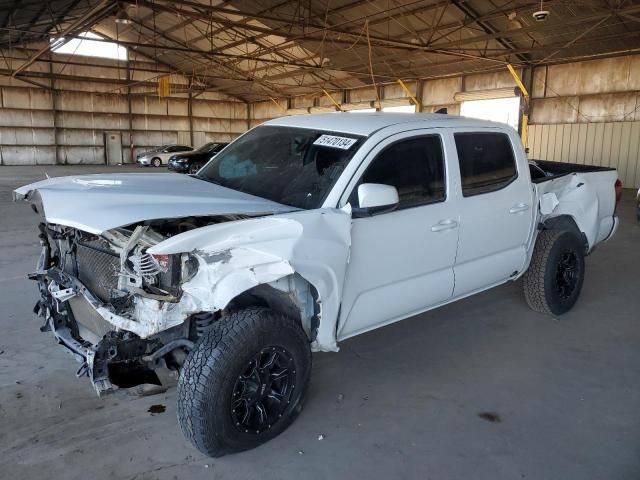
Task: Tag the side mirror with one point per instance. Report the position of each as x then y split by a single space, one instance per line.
375 198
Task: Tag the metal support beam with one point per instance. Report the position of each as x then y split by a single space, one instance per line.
278 104
132 157
524 120
486 26
32 22
411 96
419 93
190 114
79 23
333 100
54 111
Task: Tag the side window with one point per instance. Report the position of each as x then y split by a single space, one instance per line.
486 162
172 149
414 166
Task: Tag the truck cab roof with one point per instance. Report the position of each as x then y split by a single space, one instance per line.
370 122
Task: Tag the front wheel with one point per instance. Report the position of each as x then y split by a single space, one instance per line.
553 282
156 162
193 169
244 382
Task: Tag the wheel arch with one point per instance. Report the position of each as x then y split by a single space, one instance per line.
235 257
568 223
292 296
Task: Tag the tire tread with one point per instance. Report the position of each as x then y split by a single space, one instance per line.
538 279
213 358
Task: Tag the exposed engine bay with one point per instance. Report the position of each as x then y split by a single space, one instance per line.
90 283
130 281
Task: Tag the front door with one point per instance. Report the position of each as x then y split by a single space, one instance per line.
401 261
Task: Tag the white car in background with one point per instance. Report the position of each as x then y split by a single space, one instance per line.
160 156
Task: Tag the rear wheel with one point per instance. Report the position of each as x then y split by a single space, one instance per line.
156 162
245 381
553 282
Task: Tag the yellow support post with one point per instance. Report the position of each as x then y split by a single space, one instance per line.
411 96
333 100
525 113
516 77
281 107
525 129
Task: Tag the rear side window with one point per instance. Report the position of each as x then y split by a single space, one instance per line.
486 162
414 166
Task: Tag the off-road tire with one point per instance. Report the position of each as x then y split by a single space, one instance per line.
541 280
211 371
156 162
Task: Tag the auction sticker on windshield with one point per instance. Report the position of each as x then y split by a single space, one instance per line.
343 143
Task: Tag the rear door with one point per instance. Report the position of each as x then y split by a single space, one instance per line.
496 209
401 261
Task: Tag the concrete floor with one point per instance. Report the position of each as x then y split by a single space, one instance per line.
401 402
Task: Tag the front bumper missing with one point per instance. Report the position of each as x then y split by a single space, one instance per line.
91 364
117 359
66 287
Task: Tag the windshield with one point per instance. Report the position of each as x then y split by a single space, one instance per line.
288 165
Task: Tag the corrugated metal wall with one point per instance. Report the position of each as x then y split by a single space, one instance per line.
608 144
32 131
65 122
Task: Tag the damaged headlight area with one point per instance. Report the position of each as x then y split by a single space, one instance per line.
118 308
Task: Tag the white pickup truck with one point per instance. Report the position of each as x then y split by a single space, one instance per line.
303 232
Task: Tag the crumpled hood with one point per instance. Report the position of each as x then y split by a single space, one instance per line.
97 203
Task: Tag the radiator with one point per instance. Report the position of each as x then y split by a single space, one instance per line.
97 269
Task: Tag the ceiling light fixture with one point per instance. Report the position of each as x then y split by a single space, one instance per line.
123 17
542 14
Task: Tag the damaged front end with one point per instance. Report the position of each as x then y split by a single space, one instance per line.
119 309
135 268
130 302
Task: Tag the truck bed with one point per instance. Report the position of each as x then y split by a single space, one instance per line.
544 170
587 193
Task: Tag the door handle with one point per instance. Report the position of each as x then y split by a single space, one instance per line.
521 207
442 225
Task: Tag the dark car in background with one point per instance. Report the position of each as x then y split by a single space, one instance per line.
190 162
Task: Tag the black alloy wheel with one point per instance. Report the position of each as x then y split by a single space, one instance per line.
566 274
553 281
244 382
264 390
